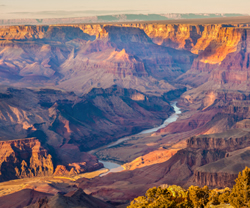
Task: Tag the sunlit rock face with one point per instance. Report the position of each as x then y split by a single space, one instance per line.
24 158
121 53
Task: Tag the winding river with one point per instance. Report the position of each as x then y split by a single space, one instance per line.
113 167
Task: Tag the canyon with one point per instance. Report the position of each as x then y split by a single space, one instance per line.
68 93
65 126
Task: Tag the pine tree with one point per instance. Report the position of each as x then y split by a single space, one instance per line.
199 196
240 195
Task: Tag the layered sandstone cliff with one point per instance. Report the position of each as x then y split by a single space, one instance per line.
222 173
228 141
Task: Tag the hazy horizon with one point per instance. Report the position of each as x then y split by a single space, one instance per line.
16 9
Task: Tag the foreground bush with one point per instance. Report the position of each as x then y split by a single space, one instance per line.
196 197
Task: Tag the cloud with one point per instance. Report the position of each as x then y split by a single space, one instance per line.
74 13
2 5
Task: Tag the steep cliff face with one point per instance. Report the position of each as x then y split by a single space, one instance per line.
138 56
23 32
224 62
216 43
195 38
217 46
179 36
101 55
159 61
228 141
223 173
218 180
24 158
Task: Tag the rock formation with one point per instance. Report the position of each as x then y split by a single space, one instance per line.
24 158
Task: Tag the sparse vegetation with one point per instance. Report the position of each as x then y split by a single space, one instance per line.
196 197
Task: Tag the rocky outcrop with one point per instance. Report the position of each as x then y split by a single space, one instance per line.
24 158
126 50
100 55
208 160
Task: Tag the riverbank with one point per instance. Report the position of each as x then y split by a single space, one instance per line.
114 166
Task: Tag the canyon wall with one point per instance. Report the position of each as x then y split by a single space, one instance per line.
223 172
214 46
216 40
218 180
226 141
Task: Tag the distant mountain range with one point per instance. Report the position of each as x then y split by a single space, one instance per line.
115 18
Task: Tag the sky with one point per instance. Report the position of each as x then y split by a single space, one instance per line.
13 9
